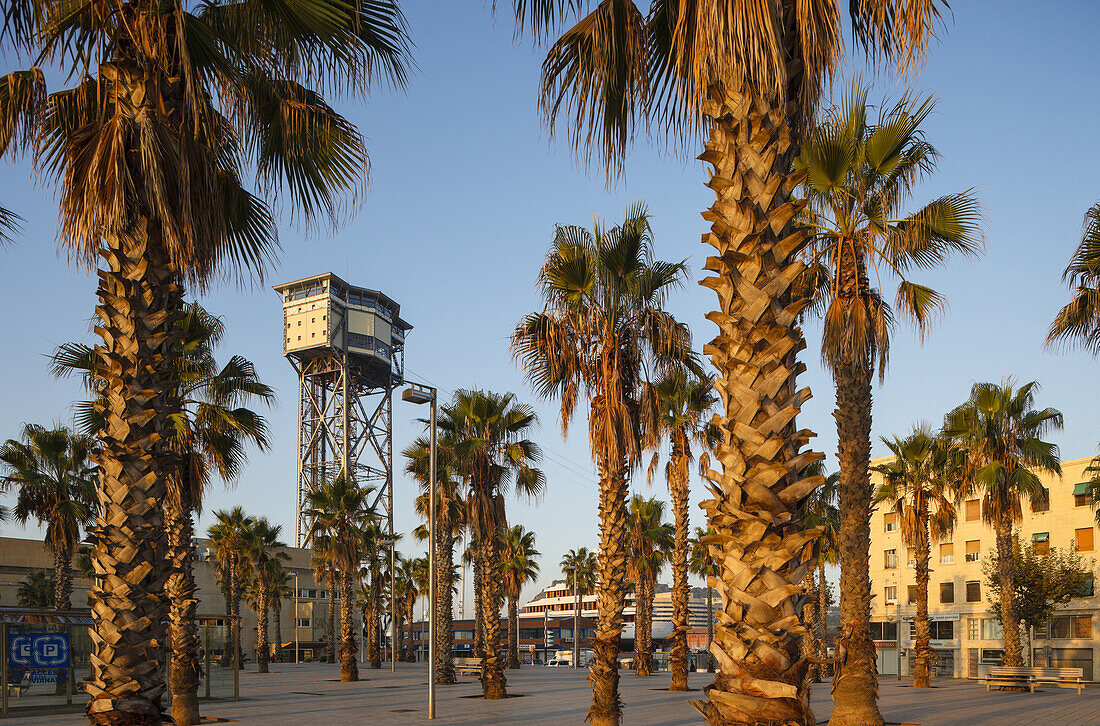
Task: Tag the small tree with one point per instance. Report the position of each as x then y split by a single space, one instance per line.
1042 581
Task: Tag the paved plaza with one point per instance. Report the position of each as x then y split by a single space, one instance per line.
311 695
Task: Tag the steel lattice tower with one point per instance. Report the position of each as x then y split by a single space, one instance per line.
347 345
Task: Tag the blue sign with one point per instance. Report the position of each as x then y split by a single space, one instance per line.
38 650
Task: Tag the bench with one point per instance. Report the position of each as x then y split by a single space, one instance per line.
470 666
1024 677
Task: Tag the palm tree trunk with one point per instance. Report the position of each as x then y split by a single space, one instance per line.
513 633
262 638
822 606
137 309
479 606
332 616
277 641
375 627
758 540
922 650
643 626
855 683
679 494
183 637
349 670
238 589
444 578
710 626
410 649
607 708
1013 654
62 579
809 619
493 683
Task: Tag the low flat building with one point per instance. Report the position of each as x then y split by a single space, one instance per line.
965 634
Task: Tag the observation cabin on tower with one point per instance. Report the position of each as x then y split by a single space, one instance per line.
347 345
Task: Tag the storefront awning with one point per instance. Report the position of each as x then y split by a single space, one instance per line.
1082 488
1040 537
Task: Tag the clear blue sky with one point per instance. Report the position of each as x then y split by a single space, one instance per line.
467 186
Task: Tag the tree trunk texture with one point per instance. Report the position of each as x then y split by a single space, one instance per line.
809 619
183 638
331 616
923 655
349 670
611 560
62 580
137 308
235 602
679 493
710 626
1013 655
277 627
444 578
493 683
643 626
855 683
262 635
822 614
374 628
759 545
410 648
479 606
513 633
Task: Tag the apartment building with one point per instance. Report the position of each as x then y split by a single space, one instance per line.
965 634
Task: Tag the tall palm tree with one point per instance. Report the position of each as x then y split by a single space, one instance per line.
651 540
1001 434
684 405
602 331
282 590
264 554
489 434
170 104
518 567
229 535
342 511
746 78
374 554
36 590
449 523
326 574
417 586
211 430
821 512
701 564
919 485
580 567
56 486
859 175
1078 322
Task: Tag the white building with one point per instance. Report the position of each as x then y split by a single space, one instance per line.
557 599
965 634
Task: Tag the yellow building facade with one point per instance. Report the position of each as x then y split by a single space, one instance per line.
965 633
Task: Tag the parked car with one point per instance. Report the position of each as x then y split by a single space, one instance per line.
557 663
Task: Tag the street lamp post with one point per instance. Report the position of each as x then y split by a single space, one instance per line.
421 394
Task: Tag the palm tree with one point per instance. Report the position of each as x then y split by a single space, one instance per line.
859 174
651 540
37 590
822 512
56 486
325 571
229 535
746 78
701 564
262 542
489 431
919 485
281 589
211 430
1001 435
684 404
418 585
148 148
374 554
580 568
342 512
401 584
1079 321
449 522
602 330
517 568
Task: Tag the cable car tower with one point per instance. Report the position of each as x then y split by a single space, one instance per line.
347 345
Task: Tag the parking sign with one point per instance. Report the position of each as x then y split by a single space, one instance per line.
38 650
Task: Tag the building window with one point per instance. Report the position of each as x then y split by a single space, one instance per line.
891 594
1065 627
973 626
890 521
1040 542
973 550
1084 539
947 553
941 629
883 631
991 629
299 323
1088 587
992 656
890 558
303 622
973 591
1081 495
911 555
1041 503
973 510
463 635
947 592
912 594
